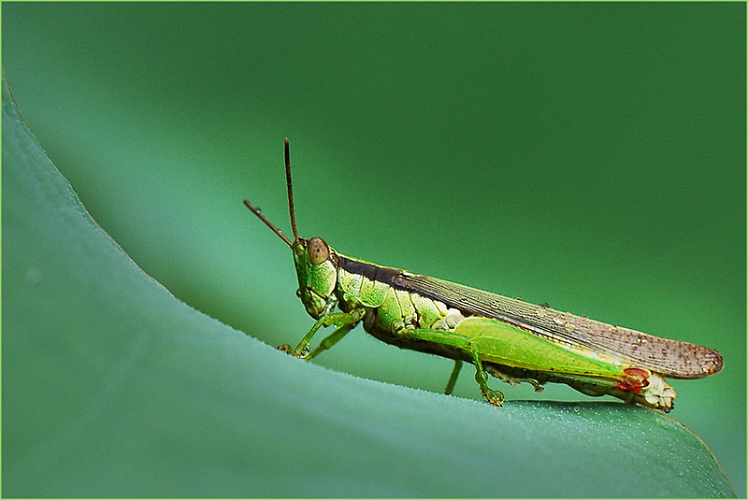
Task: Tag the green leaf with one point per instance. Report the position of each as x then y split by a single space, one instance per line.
114 388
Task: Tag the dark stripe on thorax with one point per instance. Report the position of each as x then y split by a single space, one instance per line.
372 271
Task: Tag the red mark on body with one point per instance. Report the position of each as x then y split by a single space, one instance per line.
635 380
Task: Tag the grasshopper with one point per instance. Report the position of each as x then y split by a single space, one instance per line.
506 338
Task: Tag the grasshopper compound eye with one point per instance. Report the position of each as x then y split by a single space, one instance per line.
318 251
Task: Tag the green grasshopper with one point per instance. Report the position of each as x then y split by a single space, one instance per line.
509 339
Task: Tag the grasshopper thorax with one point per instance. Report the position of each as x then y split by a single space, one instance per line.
317 271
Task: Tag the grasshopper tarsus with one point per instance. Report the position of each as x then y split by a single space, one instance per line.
495 397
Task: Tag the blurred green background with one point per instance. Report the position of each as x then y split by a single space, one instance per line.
587 155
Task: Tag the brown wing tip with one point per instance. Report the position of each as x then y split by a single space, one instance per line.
696 362
713 365
710 362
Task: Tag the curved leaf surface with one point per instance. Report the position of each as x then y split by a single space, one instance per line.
114 388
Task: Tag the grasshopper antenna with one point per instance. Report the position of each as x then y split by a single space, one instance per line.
256 210
291 210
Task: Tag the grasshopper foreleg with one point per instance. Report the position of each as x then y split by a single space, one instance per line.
344 322
304 342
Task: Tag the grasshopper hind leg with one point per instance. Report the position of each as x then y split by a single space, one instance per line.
459 345
493 396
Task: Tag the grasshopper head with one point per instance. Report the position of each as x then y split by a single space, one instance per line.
317 273
316 263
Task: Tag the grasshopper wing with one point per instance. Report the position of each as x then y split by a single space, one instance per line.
671 358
